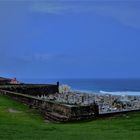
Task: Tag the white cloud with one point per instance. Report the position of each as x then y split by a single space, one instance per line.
126 12
40 57
35 58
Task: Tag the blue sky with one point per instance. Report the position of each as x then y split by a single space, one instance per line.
70 39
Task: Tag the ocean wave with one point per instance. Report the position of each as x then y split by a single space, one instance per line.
136 93
130 93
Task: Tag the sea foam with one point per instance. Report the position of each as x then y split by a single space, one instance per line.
132 93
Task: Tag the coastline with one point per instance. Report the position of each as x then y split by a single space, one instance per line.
119 93
100 86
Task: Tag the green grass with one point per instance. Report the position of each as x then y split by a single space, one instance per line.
28 125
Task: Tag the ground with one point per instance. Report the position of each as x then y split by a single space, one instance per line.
18 122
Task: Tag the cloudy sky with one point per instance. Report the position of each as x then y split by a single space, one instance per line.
70 38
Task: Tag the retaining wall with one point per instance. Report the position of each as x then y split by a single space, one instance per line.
55 111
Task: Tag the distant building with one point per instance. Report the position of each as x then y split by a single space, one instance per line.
14 81
5 81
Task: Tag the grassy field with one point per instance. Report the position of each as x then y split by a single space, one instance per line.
18 122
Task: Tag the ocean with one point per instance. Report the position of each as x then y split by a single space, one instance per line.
102 86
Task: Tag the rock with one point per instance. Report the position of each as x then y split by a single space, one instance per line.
11 110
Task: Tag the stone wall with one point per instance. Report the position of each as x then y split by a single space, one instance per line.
32 89
52 110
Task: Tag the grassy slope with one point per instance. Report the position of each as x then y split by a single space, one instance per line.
28 125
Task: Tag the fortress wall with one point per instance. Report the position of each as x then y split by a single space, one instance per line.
52 110
32 89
